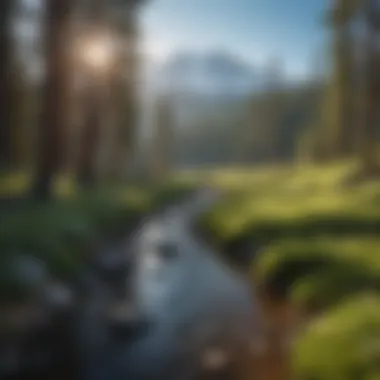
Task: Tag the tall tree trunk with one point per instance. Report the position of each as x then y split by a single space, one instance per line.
342 91
371 93
90 138
5 83
125 85
57 82
97 14
161 164
344 96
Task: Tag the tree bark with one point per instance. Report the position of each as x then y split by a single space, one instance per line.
164 120
97 14
5 83
342 96
125 92
345 130
57 82
90 139
371 93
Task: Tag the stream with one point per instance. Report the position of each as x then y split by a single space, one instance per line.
161 305
202 312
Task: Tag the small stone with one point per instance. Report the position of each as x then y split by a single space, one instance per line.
58 295
28 270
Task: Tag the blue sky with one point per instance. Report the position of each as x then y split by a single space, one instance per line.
254 29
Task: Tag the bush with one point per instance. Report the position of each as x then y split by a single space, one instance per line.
314 241
343 344
301 221
319 272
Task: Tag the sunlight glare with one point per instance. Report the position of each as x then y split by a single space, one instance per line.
98 52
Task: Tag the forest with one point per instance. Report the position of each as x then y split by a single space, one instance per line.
296 165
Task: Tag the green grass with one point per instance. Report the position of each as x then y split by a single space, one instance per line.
315 234
320 271
64 232
343 344
297 203
319 245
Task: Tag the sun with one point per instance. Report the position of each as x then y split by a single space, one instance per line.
98 52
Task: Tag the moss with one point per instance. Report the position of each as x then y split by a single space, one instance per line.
343 343
319 246
306 226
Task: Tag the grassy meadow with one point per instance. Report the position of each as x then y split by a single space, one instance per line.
314 240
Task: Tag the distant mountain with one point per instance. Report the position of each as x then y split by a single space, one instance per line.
201 84
210 73
210 95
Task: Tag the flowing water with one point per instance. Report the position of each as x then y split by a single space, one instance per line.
202 312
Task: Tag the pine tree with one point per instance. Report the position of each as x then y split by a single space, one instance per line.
162 143
57 25
5 82
340 95
96 13
125 88
371 89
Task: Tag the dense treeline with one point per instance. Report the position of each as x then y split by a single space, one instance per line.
264 127
92 138
78 116
348 124
68 117
332 116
